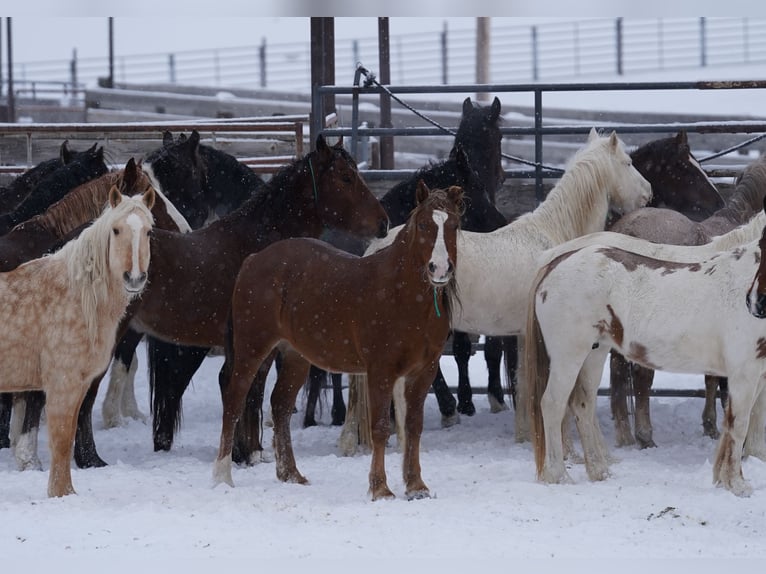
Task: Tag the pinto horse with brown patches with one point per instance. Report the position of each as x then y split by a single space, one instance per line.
72 299
386 315
680 314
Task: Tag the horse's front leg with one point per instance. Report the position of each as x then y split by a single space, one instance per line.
727 468
415 391
379 395
63 406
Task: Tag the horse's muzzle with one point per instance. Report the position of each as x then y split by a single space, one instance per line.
134 285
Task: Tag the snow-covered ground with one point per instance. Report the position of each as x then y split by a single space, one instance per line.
153 509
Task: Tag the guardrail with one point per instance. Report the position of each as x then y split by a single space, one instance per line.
133 139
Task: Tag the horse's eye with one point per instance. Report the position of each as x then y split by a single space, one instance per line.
422 226
116 231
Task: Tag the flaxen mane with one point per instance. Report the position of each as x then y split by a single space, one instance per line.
87 259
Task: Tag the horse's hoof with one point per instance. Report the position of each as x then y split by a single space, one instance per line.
711 430
292 476
646 443
5 442
91 460
383 494
418 494
338 417
162 442
309 423
449 421
466 409
496 406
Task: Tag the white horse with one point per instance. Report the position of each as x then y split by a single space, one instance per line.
682 314
497 268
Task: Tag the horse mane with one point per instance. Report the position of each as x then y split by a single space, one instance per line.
562 217
748 194
87 259
82 204
738 236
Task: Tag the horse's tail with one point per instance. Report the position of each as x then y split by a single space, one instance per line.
537 365
356 430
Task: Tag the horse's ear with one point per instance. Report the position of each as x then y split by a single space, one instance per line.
194 139
167 138
93 148
495 109
129 175
455 194
467 106
322 147
593 135
682 140
115 197
614 143
65 154
339 143
99 152
149 197
182 138
422 192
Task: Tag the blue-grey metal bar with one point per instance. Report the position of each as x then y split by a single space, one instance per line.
539 192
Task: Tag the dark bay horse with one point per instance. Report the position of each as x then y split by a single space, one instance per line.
671 227
48 232
321 189
81 168
397 341
205 183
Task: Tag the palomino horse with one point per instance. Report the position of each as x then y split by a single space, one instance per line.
276 304
664 226
496 269
683 314
47 232
73 299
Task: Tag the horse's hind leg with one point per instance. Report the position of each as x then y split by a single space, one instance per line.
709 415
493 355
247 448
642 385
338 411
171 368
461 349
28 411
317 381
294 370
6 407
85 455
583 404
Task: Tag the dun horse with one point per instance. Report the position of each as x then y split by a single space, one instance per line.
72 299
386 315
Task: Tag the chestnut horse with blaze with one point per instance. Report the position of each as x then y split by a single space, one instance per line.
387 315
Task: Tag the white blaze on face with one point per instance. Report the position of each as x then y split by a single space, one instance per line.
136 226
438 265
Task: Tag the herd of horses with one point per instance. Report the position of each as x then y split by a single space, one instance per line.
633 253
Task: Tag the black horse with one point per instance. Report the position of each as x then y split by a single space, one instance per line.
77 169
